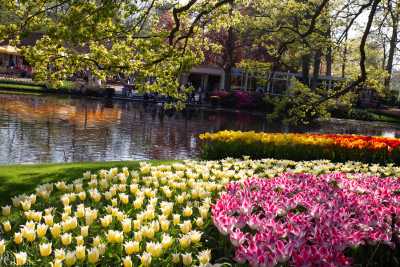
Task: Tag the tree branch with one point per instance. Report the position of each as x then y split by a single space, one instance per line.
363 72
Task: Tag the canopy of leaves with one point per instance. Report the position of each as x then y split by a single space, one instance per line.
153 40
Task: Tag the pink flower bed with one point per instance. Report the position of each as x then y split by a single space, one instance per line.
306 220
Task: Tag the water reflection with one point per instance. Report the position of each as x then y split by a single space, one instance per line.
53 129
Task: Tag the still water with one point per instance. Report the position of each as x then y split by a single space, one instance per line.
53 129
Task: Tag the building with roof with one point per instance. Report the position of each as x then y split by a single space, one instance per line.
12 62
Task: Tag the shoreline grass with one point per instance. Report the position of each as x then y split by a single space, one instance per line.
24 178
20 86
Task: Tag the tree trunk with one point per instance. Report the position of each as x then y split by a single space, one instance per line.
392 47
228 78
344 62
329 62
229 50
384 54
305 69
329 56
316 69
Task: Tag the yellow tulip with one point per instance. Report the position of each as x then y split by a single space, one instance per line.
167 241
79 240
187 211
26 204
145 259
2 247
138 236
18 238
115 236
96 241
93 255
45 249
164 225
41 230
20 258
185 241
106 221
70 258
6 210
56 263
82 195
29 234
80 252
176 219
199 222
124 198
187 259
127 261
195 236
204 257
55 230
132 247
126 225
155 249
6 226
176 258
66 239
186 226
48 219
85 231
59 254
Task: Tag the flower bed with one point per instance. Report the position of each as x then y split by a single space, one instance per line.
307 220
334 147
156 215
238 99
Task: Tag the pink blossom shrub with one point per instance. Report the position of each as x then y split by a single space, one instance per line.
307 220
244 99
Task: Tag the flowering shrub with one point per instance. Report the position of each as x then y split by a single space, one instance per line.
307 220
238 99
295 146
154 215
219 94
244 99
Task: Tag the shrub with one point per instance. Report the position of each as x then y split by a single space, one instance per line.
244 99
299 219
238 99
219 93
334 147
294 106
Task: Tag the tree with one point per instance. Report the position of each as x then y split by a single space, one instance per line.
394 12
110 37
310 29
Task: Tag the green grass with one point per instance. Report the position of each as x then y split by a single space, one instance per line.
66 85
20 86
18 179
15 92
385 117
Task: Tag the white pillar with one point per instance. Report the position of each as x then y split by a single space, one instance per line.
222 81
184 78
204 81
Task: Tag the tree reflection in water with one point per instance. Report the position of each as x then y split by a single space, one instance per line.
55 129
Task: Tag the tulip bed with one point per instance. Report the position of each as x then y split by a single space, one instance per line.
302 219
335 147
161 215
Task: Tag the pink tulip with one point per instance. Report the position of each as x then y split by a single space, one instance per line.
306 220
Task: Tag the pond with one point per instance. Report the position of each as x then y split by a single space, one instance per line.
37 129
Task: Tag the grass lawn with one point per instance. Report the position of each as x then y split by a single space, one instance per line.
17 179
20 86
378 116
